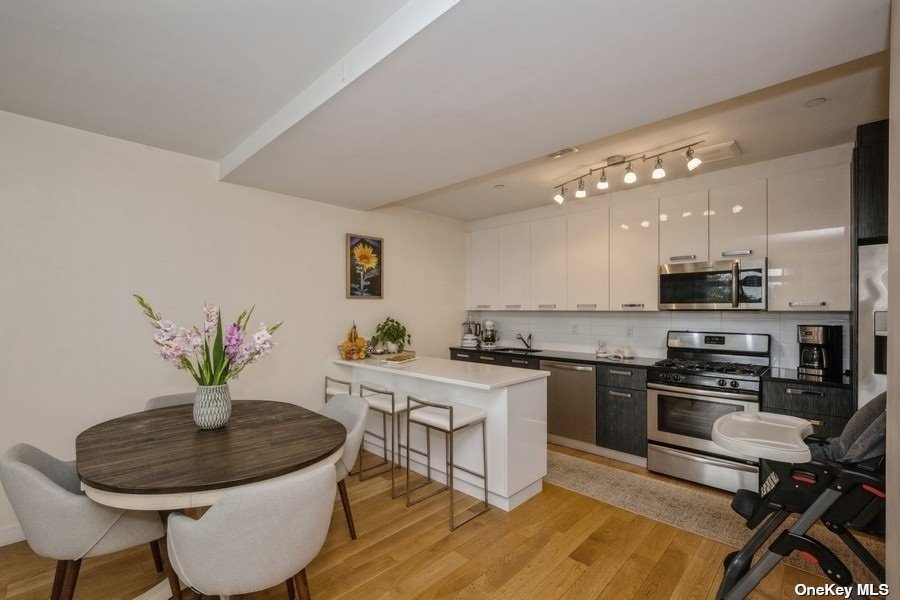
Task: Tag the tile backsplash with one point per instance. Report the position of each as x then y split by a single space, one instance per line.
645 333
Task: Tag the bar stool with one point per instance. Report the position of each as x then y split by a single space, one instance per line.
384 401
335 387
449 419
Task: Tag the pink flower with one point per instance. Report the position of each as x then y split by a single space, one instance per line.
234 337
212 317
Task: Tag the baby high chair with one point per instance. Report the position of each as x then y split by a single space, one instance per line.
839 481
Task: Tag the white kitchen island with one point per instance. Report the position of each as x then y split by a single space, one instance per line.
516 405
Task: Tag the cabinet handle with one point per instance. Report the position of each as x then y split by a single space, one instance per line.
482 306
543 306
513 306
483 357
585 306
519 362
461 355
683 257
618 372
795 304
794 392
632 306
728 253
619 394
816 422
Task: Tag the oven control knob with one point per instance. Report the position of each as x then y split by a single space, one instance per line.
676 377
722 383
734 384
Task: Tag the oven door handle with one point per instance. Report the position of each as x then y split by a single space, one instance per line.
695 392
736 284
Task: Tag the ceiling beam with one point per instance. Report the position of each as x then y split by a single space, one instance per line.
409 20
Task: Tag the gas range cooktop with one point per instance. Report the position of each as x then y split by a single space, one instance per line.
711 367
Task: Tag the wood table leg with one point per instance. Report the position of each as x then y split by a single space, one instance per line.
58 578
68 588
157 557
302 585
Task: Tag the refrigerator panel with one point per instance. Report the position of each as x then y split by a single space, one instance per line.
873 298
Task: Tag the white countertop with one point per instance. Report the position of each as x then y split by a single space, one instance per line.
454 372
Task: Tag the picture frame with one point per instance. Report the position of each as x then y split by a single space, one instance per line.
365 267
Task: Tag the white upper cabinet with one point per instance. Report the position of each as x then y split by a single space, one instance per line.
684 228
634 250
587 260
515 267
484 269
737 220
548 264
809 240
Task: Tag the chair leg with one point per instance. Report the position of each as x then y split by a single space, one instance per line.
58 578
302 585
345 501
174 583
290 588
68 588
157 557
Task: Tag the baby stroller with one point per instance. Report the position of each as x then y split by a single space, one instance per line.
839 482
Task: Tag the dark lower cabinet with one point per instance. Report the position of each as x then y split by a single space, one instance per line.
622 420
520 361
828 408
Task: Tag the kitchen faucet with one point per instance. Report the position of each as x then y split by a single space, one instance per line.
525 341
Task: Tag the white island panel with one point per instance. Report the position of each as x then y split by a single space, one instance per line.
516 404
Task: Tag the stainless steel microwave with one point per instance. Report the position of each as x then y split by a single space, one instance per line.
739 284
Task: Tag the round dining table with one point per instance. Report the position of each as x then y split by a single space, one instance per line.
160 460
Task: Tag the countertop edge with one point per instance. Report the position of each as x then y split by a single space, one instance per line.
531 376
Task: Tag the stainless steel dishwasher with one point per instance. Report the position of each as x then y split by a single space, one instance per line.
571 400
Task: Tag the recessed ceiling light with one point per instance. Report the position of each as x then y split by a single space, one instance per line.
814 102
499 186
562 152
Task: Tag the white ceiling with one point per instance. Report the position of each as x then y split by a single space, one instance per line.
369 102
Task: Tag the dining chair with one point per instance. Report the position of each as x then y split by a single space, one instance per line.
255 537
349 411
60 522
169 400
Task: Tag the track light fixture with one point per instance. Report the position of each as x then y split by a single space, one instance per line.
630 176
580 193
692 161
560 196
658 172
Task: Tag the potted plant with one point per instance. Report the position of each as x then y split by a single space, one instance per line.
392 334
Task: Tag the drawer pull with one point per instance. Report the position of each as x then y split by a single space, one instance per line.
728 253
513 306
546 306
619 372
794 392
816 422
585 306
636 305
797 304
482 306
461 355
519 362
619 394
482 357
683 257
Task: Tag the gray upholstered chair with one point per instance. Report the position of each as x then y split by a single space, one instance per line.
60 522
349 411
170 400
256 537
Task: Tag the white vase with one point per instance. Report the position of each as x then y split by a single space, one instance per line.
212 406
391 347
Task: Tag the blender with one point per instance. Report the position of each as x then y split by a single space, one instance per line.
471 330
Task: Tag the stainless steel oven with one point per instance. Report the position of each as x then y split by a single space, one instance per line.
679 432
738 284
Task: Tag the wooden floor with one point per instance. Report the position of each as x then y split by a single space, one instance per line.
557 545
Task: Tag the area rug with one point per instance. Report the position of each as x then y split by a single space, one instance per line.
692 508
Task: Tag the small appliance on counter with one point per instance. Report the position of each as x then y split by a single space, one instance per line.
489 335
471 331
821 356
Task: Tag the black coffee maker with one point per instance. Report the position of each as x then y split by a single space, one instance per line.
821 352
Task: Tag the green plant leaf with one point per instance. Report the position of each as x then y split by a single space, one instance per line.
218 350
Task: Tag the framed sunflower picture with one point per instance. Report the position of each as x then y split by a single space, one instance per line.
365 267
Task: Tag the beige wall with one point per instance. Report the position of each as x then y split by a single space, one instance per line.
85 220
893 412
